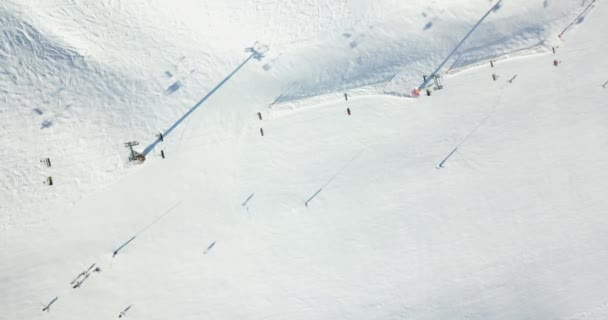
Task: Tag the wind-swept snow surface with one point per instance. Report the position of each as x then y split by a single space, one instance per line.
483 201
105 72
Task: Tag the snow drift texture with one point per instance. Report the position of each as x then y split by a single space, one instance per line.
512 227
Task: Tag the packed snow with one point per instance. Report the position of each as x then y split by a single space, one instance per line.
300 177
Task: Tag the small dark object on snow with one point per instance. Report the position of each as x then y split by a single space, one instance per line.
262 131
47 308
124 312
260 115
124 245
46 124
81 281
162 154
348 111
249 198
209 247
46 161
83 273
313 196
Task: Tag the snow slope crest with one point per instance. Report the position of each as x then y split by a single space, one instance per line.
19 37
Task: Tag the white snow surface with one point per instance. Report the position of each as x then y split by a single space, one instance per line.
513 225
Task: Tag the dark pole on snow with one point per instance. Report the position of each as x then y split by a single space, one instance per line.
124 245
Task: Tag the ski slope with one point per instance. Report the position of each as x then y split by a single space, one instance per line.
143 64
512 225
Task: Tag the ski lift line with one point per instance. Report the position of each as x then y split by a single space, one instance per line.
246 201
149 148
47 307
122 246
585 11
440 165
312 197
160 217
468 136
334 176
146 228
124 312
277 100
494 8
343 168
209 247
82 274
477 128
453 64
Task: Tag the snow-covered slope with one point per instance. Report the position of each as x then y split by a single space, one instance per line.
512 226
102 73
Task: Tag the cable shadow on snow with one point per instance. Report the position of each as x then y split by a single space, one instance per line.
494 8
254 54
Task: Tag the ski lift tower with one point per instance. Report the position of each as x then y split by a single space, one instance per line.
438 82
134 154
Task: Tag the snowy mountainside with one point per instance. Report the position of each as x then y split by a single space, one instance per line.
483 201
40 82
358 42
143 63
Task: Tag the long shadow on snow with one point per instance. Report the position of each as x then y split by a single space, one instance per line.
496 7
198 104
